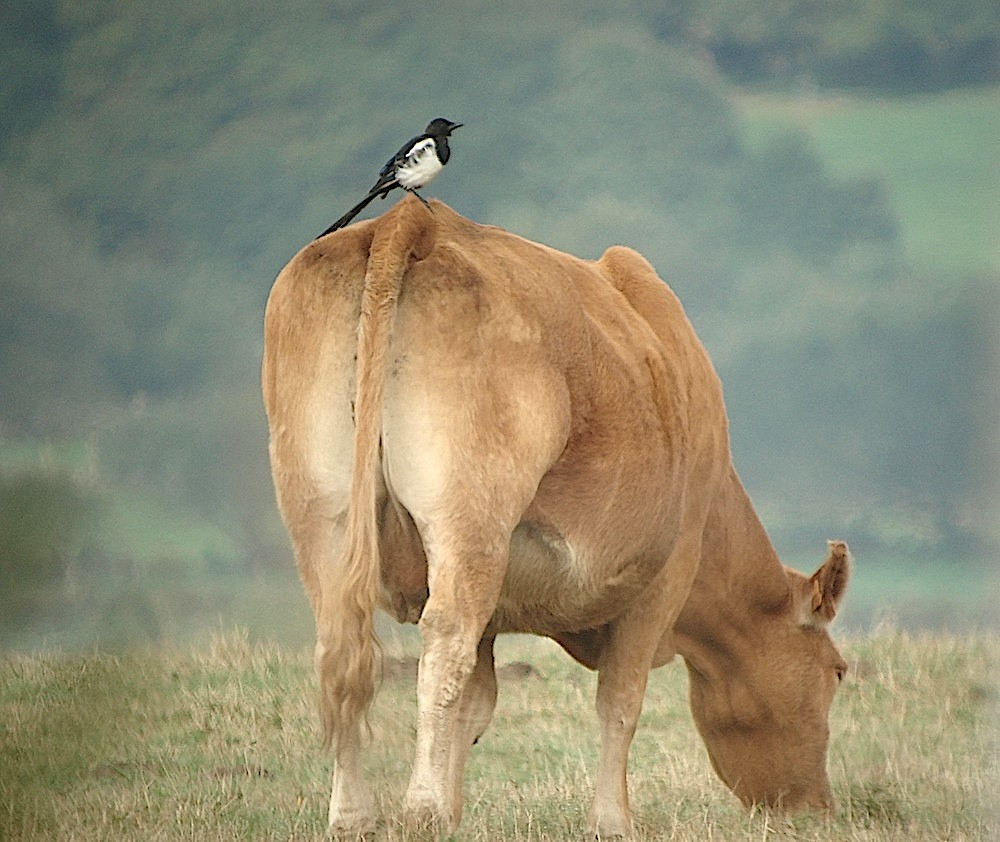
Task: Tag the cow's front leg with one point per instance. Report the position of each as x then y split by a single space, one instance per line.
618 707
623 668
624 659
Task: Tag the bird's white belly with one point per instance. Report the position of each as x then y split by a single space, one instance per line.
421 166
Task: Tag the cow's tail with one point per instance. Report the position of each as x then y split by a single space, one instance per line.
347 649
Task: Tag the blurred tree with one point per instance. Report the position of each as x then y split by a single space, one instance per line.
884 44
32 44
45 519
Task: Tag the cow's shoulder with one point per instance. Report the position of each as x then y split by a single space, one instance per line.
651 298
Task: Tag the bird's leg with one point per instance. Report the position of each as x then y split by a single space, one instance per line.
422 199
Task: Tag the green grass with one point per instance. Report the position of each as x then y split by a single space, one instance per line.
222 744
939 154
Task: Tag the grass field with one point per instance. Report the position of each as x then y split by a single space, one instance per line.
938 154
222 744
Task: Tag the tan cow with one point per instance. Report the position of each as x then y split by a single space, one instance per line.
484 435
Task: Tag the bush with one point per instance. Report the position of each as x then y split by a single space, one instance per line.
45 519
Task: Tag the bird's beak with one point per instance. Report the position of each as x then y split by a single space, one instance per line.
456 126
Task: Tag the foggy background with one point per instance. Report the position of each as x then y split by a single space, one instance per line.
817 182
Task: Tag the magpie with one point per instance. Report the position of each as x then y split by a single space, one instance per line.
414 166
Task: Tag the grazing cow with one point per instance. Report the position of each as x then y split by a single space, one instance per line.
480 434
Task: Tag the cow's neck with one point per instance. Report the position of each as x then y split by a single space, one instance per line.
740 583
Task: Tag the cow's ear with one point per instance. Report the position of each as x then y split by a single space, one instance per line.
820 596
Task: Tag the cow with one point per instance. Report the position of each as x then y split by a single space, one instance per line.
480 434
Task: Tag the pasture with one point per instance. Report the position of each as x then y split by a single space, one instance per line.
221 742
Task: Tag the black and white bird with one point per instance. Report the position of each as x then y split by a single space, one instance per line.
415 165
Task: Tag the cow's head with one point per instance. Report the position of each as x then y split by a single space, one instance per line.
761 702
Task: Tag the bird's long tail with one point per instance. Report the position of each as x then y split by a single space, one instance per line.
353 212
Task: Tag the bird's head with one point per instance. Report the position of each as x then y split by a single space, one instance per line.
440 127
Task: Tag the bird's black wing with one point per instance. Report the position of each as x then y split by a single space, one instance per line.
388 173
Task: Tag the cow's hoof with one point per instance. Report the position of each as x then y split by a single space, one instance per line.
423 814
350 825
609 827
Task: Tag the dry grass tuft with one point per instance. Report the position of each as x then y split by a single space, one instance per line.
223 744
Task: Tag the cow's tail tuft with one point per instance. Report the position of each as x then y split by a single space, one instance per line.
347 648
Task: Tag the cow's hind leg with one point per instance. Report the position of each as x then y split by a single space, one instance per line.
455 687
317 531
352 809
475 711
465 468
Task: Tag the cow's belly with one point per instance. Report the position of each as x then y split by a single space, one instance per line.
552 586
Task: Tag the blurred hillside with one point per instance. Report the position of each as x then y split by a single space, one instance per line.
160 162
